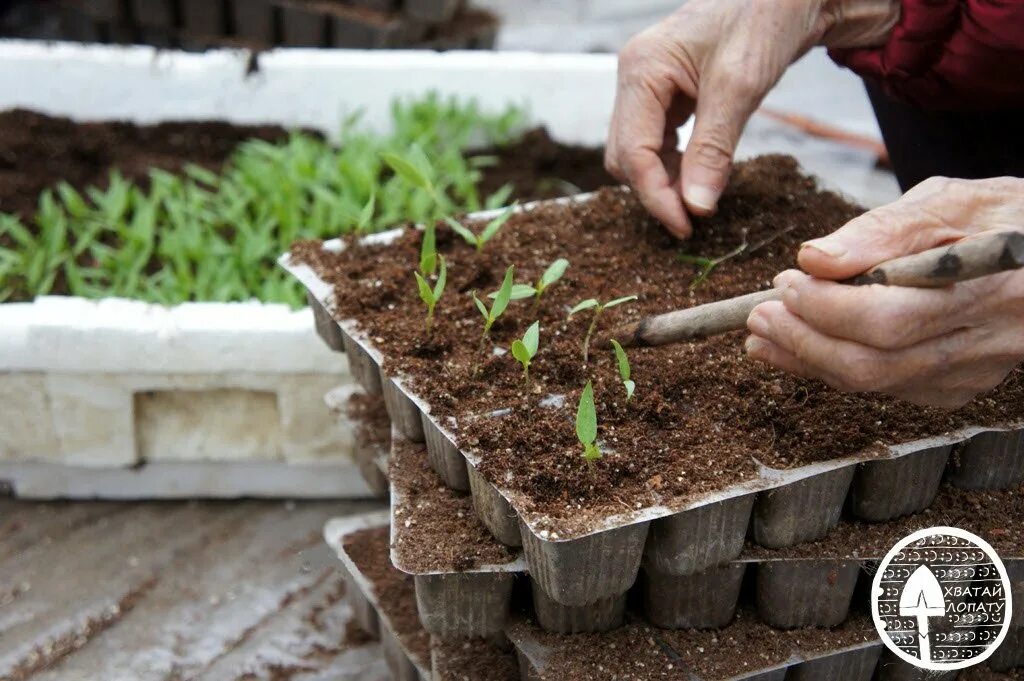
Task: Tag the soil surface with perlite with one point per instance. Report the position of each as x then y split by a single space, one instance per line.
703 415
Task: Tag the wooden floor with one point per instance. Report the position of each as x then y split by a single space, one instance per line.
169 591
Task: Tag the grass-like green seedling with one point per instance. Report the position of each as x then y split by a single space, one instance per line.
598 307
624 371
365 219
489 231
428 251
501 301
431 296
586 424
525 349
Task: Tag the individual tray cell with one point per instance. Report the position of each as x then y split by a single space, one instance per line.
694 540
403 411
468 605
444 457
493 509
603 615
850 665
890 488
801 511
795 594
363 366
991 460
327 328
589 569
705 600
473 660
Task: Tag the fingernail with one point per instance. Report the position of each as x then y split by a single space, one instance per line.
699 196
785 279
757 323
829 247
754 345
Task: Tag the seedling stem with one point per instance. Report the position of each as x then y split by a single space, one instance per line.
598 307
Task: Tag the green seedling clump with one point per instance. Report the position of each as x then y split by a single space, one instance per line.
598 308
525 349
200 235
501 300
489 231
623 361
429 295
586 424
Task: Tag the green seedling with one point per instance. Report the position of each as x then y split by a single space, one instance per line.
365 219
501 301
624 371
488 233
525 349
551 275
586 424
598 307
428 251
430 296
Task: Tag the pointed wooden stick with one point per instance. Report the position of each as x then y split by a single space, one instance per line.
966 259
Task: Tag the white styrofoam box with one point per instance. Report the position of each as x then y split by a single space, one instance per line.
302 87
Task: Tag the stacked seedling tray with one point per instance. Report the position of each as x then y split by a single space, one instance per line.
261 24
753 552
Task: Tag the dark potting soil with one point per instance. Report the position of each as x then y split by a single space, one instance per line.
703 414
997 516
639 652
474 660
395 590
436 527
38 151
370 416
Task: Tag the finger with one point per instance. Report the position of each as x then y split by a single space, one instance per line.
884 317
912 224
639 156
842 364
763 350
723 108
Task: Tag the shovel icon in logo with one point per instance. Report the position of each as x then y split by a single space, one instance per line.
922 598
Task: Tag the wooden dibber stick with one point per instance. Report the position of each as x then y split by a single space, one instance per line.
966 259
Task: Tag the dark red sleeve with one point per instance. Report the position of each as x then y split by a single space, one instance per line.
953 55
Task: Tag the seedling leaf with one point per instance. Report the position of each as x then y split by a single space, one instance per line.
366 214
428 251
407 171
442 279
462 231
494 225
426 293
630 389
586 417
521 352
531 339
554 272
584 305
504 294
480 306
519 292
624 362
619 301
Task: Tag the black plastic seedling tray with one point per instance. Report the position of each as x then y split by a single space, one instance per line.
779 508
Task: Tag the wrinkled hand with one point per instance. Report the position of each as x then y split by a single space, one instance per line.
715 59
938 347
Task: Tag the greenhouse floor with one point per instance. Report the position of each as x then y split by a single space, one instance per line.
242 590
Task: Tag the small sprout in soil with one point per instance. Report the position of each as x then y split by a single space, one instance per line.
623 362
501 300
430 296
417 171
598 307
488 233
525 349
551 275
586 424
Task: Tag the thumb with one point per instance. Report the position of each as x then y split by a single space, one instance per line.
721 114
895 230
